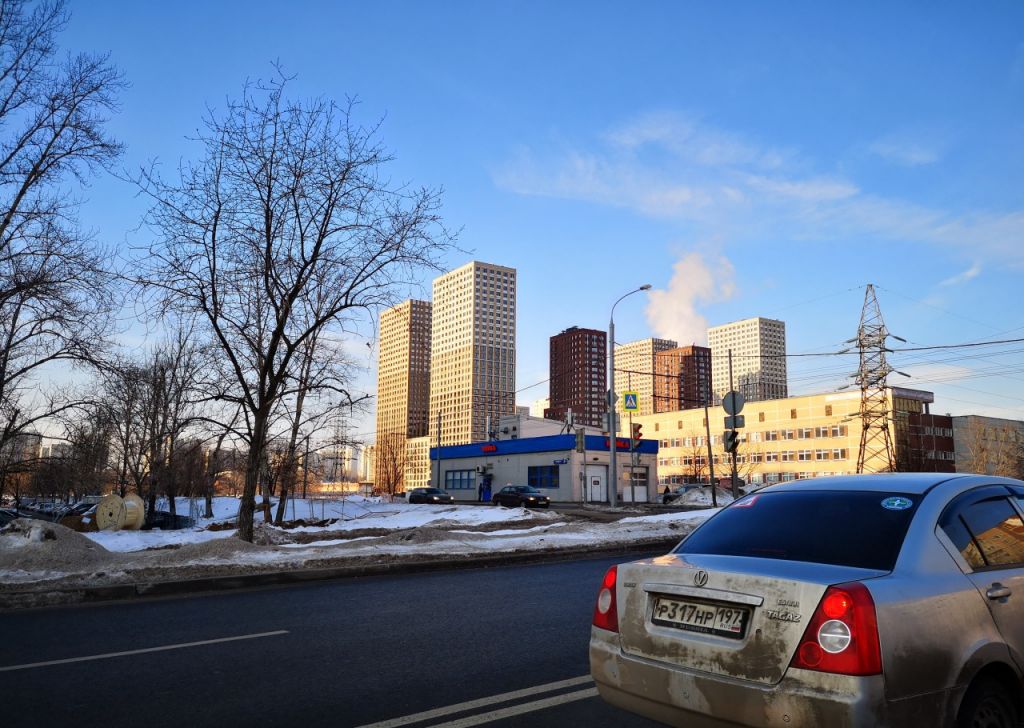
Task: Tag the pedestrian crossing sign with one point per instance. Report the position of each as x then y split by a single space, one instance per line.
630 401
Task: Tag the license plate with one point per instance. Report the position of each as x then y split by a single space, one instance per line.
693 616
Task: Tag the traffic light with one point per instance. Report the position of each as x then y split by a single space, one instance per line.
636 434
731 440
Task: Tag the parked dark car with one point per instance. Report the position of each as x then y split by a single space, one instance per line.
515 496
678 492
429 495
7 515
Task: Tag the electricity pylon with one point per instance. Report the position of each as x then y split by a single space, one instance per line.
876 443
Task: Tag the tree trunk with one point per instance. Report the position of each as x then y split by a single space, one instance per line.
253 470
287 485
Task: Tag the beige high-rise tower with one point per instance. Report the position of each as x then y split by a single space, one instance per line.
403 387
473 351
634 371
758 358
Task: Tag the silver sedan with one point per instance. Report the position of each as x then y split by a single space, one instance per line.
874 600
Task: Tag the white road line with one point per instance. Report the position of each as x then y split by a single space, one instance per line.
108 655
519 709
481 703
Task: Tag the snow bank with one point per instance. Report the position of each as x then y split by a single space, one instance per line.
38 552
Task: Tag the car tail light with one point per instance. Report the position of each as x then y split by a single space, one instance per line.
606 613
842 636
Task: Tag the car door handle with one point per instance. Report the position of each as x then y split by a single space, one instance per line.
998 591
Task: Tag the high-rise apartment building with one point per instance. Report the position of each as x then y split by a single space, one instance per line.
758 348
578 376
473 351
403 383
682 378
634 371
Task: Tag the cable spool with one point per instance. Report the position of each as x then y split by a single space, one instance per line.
111 513
135 512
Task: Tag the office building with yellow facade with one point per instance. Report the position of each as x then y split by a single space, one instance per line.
403 386
809 436
473 352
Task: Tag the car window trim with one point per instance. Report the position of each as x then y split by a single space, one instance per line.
965 500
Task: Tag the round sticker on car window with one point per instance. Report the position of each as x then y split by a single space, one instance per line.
897 503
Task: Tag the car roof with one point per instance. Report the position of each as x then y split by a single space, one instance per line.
881 482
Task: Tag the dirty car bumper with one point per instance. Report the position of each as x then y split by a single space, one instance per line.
677 696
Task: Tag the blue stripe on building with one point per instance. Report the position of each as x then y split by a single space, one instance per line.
548 443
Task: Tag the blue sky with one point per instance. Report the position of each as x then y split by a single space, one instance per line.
744 158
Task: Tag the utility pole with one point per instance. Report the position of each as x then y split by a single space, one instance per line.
735 476
438 451
711 462
613 439
613 475
632 454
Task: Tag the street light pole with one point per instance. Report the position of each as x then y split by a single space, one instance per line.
613 490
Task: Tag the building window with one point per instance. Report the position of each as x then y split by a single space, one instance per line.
792 414
657 426
760 416
828 410
459 479
542 476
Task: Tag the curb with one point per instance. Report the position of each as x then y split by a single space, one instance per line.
32 598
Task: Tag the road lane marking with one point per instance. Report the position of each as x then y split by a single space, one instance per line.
519 709
481 703
108 655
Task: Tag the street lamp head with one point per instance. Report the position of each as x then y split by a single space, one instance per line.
645 287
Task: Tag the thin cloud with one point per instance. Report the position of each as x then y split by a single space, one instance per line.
906 154
688 140
963 277
672 166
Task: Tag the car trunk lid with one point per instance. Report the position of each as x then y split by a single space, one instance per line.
734 616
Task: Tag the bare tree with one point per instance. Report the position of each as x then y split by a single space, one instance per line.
696 459
311 376
55 291
170 406
391 461
81 465
150 404
284 229
122 388
978 447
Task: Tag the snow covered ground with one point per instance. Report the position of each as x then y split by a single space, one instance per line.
351 532
352 513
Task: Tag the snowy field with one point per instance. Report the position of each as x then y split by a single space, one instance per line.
352 513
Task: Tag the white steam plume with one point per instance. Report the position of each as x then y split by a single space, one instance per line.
672 313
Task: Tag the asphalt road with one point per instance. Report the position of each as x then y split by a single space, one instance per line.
500 647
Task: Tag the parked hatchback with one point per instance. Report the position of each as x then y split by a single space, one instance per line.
521 495
881 600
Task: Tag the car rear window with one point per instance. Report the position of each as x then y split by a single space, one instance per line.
844 528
